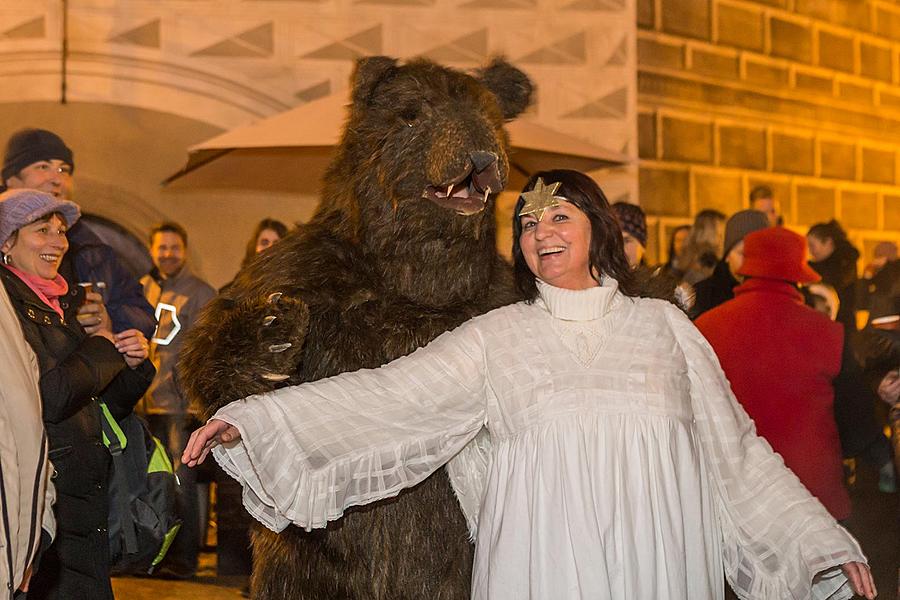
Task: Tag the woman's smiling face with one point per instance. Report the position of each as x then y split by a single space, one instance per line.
38 248
557 248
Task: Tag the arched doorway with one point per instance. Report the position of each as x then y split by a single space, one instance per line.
130 249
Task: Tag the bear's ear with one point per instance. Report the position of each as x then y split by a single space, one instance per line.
368 72
511 86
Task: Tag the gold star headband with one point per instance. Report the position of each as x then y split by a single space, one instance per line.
540 199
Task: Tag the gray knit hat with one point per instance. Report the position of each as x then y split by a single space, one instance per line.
21 206
740 224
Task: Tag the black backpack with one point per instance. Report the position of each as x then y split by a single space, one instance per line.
143 520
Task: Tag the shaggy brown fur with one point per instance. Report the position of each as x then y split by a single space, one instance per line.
378 272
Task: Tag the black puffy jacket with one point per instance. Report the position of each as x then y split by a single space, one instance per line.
839 271
76 370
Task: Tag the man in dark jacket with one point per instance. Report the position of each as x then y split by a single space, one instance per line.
39 159
719 287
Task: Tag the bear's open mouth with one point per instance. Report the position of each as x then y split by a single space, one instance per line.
468 193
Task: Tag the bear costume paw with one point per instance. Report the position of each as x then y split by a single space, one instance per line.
256 348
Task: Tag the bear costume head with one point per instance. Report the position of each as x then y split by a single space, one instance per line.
421 160
401 248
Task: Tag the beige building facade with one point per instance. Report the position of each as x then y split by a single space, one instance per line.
131 84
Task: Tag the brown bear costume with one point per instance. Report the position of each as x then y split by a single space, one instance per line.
400 250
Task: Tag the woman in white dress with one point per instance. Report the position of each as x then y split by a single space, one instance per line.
618 464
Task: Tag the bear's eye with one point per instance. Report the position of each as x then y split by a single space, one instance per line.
409 114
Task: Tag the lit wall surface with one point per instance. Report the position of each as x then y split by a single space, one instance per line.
801 95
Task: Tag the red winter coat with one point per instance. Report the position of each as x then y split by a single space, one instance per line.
781 357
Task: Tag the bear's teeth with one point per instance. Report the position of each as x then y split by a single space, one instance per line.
449 190
486 192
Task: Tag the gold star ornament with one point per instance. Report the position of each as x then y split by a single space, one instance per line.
540 199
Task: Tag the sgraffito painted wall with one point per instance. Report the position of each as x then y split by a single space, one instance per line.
145 79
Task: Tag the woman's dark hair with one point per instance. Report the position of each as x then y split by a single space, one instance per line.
273 224
607 250
831 230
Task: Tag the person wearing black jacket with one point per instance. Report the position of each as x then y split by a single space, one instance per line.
834 258
95 262
81 362
719 287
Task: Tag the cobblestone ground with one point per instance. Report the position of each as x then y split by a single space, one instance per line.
876 524
203 587
875 521
155 589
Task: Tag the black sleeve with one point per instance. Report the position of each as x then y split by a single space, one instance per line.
85 373
854 405
124 296
127 388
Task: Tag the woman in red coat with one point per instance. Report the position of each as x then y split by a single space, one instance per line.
781 358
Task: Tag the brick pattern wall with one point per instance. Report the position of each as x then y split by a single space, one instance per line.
802 95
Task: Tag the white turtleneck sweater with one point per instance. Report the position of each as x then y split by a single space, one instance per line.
618 465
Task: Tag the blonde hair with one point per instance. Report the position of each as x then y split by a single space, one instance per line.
704 243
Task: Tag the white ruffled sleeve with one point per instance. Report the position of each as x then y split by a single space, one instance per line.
778 541
310 451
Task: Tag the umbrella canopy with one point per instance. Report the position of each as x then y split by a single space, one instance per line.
289 151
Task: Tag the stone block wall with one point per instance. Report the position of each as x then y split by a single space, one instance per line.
802 95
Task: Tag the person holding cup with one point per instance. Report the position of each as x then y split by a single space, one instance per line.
82 362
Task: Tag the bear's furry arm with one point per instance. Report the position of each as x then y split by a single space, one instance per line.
249 339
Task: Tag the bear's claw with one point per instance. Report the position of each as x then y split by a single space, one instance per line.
275 376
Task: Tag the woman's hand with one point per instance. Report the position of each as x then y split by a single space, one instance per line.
133 347
206 438
860 579
26 579
889 388
93 317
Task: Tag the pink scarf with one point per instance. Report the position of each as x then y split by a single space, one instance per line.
48 290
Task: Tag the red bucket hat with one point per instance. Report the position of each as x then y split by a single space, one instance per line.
777 253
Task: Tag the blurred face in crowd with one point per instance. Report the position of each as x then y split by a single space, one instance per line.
634 250
50 176
266 239
770 207
720 237
819 249
735 260
167 252
679 239
38 248
557 247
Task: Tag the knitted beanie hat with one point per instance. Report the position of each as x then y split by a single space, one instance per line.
632 220
740 224
28 146
22 206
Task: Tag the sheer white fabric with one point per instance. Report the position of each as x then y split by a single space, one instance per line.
618 467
